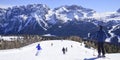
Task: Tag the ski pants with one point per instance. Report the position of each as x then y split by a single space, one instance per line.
37 52
101 48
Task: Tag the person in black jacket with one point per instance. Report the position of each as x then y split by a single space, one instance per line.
63 50
100 37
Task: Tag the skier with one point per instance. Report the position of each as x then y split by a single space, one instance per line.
100 37
51 44
71 46
63 50
66 49
38 49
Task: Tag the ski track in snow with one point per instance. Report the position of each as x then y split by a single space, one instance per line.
48 52
112 34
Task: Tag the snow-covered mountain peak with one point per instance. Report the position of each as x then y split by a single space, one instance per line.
71 13
40 19
118 10
73 8
107 16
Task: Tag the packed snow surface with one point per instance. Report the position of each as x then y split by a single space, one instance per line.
54 52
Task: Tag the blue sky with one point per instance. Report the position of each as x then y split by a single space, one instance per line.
97 5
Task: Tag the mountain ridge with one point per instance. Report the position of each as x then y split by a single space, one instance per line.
62 21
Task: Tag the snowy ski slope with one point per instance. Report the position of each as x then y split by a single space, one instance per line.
48 52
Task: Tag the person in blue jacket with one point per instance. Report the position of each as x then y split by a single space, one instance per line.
38 49
100 37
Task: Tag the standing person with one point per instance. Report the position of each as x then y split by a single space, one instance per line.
63 50
101 36
38 49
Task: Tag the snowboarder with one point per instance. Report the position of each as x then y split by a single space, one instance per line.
100 37
63 50
38 49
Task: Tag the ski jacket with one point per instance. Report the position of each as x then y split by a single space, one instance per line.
38 47
101 36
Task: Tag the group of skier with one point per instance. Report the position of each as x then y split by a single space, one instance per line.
64 50
100 37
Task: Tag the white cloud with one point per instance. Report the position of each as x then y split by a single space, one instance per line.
5 6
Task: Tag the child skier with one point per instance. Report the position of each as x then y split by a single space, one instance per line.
38 49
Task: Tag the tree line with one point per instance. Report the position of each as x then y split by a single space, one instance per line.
29 39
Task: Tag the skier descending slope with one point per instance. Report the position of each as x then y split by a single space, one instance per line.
38 49
63 50
101 36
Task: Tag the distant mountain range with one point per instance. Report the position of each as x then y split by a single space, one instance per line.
62 21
